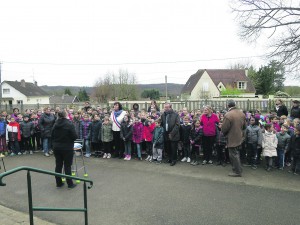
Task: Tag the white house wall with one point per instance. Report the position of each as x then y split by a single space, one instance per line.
18 96
198 92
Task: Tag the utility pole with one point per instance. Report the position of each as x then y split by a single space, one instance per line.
166 83
0 86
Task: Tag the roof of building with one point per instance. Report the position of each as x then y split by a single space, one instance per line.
63 99
226 76
27 88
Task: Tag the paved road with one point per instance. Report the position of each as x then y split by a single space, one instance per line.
143 193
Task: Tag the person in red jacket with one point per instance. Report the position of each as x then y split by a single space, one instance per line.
209 121
13 135
149 127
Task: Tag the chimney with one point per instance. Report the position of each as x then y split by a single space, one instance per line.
246 72
35 83
23 83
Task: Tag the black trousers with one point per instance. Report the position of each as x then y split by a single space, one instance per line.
208 143
63 158
171 149
118 143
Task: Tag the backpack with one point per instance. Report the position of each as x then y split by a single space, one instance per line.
2 128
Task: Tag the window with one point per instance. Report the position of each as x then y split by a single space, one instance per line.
6 91
205 86
241 85
19 102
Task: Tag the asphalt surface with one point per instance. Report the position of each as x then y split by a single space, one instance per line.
139 192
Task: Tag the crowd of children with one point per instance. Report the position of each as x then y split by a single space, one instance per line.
276 139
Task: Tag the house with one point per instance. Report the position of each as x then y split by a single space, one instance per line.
21 92
64 99
208 84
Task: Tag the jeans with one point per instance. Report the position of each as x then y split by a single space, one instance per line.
46 145
138 148
127 145
87 146
157 154
186 150
15 147
280 155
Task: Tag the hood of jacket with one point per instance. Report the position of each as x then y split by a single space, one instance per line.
61 123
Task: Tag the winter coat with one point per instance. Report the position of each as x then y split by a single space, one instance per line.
126 131
282 110
13 132
294 146
116 121
36 127
269 144
137 134
26 129
85 130
209 124
78 127
106 132
170 121
253 135
46 123
94 131
283 140
276 126
148 131
158 138
220 138
63 135
185 131
196 136
295 112
233 127
2 128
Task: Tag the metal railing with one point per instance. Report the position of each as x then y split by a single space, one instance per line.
31 208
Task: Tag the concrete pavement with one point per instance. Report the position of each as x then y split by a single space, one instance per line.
138 192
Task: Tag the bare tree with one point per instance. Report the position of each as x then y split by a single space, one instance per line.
279 19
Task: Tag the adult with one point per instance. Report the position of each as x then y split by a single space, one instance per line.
46 123
280 108
209 121
116 117
233 127
153 107
63 137
87 106
170 121
295 110
136 109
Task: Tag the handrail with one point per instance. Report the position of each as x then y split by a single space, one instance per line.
42 171
29 187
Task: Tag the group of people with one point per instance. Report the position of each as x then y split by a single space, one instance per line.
217 138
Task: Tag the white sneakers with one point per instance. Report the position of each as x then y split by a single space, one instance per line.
87 155
46 154
104 156
108 156
148 157
186 159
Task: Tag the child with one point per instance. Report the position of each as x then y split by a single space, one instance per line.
158 142
253 141
77 124
3 125
106 137
36 137
94 134
26 128
196 141
13 135
274 120
283 142
221 143
185 131
126 135
269 145
137 136
85 130
148 129
294 148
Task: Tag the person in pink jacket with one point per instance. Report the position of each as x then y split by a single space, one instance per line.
209 121
137 135
148 129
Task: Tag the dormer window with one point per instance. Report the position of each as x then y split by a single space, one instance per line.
242 85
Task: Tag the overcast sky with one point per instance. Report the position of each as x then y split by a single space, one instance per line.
69 42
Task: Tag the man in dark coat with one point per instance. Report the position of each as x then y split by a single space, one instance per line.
170 121
63 136
295 110
233 127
